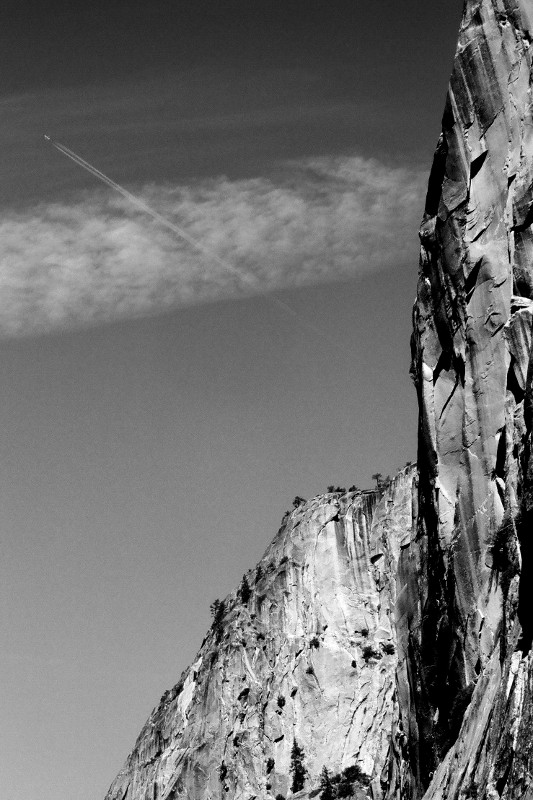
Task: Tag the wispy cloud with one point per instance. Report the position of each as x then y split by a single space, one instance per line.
98 259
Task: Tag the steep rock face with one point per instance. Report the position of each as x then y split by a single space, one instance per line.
309 655
469 637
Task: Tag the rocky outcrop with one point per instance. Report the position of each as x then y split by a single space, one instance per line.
304 650
470 638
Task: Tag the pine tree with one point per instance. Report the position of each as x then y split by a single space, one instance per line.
218 609
327 793
297 769
378 477
244 591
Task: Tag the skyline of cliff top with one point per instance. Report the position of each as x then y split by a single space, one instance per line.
156 419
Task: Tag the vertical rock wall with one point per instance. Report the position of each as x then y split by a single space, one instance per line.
469 639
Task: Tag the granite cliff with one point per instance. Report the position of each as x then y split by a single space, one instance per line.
304 650
390 633
471 668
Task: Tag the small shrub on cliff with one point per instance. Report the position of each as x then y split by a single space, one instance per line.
310 670
281 701
298 501
388 648
330 489
280 797
343 783
315 642
370 652
222 771
270 765
378 477
355 773
297 768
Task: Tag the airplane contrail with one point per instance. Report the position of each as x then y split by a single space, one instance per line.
140 204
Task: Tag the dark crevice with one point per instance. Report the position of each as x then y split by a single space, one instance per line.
448 401
436 178
471 279
443 364
448 119
477 163
424 643
512 383
499 468
502 780
459 366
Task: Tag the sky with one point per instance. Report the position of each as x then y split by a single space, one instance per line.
160 404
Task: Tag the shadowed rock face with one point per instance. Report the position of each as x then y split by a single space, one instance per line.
311 656
471 362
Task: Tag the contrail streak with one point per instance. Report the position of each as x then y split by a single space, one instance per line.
140 204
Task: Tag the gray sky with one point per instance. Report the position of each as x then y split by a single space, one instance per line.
158 414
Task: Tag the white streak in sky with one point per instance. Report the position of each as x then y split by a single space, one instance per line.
99 259
166 223
136 201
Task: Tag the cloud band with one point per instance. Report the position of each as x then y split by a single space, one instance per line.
98 259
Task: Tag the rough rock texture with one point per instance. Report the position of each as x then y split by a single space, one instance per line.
470 635
311 656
